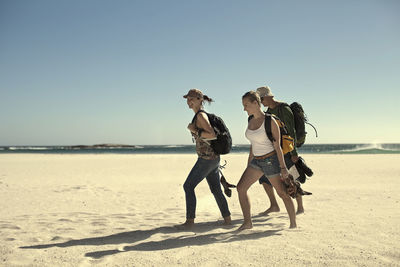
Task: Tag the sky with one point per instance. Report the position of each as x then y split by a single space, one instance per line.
94 71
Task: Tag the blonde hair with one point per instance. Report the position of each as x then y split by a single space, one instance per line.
252 96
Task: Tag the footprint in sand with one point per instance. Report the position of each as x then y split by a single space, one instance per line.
155 219
45 223
56 238
99 223
66 229
92 262
64 220
79 187
98 232
35 240
103 189
81 214
69 189
10 227
119 216
60 238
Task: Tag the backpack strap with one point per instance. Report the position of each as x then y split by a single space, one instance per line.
195 115
267 125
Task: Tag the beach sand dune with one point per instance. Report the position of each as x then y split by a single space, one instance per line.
110 209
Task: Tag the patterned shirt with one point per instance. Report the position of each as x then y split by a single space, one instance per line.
203 149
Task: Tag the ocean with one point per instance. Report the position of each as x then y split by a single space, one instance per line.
188 149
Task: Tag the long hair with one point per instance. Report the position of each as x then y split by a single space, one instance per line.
208 99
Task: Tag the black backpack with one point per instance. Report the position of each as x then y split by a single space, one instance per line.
223 143
300 119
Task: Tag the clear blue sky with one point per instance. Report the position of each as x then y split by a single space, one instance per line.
87 72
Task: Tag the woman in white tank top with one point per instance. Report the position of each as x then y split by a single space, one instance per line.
265 157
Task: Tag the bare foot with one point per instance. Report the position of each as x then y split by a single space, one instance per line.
299 211
269 210
227 220
224 225
185 226
292 226
245 226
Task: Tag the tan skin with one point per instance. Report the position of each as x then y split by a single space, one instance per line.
269 101
203 123
251 175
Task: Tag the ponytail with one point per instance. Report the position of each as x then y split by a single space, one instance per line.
208 99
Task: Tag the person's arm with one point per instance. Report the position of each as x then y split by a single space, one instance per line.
250 156
288 119
205 130
277 145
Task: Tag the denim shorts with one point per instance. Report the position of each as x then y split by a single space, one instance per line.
269 166
289 163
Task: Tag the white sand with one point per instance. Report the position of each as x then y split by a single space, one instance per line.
117 210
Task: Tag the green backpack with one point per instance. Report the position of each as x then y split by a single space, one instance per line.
300 119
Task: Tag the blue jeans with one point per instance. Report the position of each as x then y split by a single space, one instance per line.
289 163
208 169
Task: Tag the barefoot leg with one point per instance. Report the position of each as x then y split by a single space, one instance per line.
186 225
273 203
249 177
277 184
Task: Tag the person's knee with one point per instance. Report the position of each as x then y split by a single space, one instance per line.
241 189
282 194
188 187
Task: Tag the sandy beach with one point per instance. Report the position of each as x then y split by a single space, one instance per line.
119 210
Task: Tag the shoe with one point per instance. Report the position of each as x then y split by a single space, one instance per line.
226 186
302 176
301 164
302 192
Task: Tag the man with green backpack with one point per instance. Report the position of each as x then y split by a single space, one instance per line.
293 117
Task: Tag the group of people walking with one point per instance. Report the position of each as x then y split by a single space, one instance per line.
266 162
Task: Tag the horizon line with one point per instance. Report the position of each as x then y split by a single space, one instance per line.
112 144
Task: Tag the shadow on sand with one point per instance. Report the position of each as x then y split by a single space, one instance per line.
184 241
169 243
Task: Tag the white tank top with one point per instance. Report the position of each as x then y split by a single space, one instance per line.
260 143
